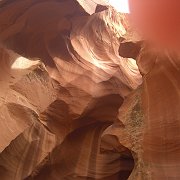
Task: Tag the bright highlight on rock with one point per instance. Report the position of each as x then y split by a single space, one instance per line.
120 5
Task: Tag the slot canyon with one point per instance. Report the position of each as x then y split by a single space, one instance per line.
83 96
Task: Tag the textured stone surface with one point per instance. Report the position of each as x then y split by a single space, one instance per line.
75 104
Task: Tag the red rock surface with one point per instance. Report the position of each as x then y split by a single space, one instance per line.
74 104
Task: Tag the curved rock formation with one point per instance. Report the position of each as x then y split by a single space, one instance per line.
74 102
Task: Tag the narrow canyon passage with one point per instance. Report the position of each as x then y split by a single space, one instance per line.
83 96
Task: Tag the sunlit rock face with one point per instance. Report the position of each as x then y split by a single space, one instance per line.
82 96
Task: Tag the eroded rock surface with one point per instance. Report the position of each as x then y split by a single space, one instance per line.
74 102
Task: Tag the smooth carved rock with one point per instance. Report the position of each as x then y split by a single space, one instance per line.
161 137
26 90
157 145
68 101
74 104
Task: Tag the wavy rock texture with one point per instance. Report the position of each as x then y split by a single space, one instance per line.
73 103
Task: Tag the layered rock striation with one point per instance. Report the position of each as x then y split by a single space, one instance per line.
82 96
